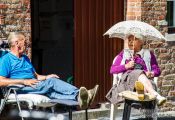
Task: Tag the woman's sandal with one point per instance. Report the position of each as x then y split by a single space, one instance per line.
140 90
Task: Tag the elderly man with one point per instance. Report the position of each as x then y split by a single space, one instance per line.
16 68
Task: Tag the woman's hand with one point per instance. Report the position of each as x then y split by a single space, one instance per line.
150 74
130 64
52 76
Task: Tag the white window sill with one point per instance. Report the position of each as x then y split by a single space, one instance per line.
170 37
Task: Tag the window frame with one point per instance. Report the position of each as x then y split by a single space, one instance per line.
171 16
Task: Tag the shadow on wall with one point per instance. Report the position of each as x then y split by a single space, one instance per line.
171 43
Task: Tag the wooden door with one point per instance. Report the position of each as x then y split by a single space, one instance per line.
93 52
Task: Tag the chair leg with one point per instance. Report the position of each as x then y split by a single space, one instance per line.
150 110
18 103
112 112
53 109
5 100
86 112
70 113
2 105
127 110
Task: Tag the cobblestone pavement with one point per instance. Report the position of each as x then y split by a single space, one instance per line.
94 114
137 115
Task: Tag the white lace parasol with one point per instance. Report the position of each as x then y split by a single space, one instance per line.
122 29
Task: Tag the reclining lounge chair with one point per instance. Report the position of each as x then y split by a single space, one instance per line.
9 95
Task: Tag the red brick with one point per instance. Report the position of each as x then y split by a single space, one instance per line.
2 6
136 13
134 9
130 17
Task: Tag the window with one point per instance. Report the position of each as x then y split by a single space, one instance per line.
171 16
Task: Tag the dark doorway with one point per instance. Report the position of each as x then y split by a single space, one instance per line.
67 39
52 36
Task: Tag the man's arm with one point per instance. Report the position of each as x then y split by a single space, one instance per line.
7 81
44 77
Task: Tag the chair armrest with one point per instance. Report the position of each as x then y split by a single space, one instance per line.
15 86
115 79
155 80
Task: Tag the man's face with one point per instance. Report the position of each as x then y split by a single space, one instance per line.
21 43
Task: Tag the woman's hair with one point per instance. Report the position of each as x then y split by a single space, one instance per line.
11 37
137 35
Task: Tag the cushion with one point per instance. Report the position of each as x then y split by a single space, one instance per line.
66 102
34 98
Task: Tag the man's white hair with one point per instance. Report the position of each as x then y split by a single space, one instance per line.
11 37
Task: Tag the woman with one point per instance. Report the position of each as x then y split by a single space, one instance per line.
137 67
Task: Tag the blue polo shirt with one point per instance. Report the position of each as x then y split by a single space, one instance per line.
16 68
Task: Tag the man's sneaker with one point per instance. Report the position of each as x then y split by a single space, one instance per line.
83 98
92 93
160 100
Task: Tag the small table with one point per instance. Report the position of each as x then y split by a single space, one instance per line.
131 100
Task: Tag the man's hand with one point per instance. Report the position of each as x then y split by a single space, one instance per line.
52 76
44 77
150 74
130 64
30 82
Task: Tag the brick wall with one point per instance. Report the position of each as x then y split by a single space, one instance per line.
154 13
15 16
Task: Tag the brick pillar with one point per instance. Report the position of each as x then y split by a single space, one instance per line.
133 10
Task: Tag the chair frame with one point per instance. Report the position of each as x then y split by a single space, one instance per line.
5 100
14 88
